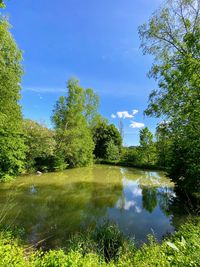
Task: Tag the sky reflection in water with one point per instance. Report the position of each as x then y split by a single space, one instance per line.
55 205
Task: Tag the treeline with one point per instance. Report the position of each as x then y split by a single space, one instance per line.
79 136
152 152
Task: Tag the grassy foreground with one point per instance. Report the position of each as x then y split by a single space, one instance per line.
107 247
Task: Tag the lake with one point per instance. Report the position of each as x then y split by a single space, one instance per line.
53 206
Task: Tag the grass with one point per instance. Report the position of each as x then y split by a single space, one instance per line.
106 246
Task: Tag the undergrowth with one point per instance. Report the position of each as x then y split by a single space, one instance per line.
106 246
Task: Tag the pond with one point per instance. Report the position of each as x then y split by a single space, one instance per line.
53 206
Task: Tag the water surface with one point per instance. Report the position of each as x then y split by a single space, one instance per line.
53 206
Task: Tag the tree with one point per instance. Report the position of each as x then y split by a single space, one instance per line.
103 134
112 151
121 128
41 145
2 4
71 117
12 148
173 38
163 144
91 107
147 147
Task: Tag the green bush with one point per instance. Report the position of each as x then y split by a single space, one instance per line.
106 246
112 151
109 241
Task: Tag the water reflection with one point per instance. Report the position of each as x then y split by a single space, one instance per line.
149 198
55 205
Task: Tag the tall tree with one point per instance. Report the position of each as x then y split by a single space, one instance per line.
147 147
91 107
173 37
40 145
121 128
70 117
163 144
12 146
106 138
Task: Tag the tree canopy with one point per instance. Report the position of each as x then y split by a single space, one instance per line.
172 36
11 137
72 116
106 138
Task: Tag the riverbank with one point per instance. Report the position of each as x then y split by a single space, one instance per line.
130 164
181 249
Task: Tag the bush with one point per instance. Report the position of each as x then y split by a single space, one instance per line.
109 241
106 246
112 151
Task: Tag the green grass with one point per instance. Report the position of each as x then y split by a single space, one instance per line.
106 246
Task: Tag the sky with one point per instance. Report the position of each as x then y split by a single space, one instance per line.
95 41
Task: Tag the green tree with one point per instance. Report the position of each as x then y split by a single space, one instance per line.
12 148
147 147
91 107
163 144
112 151
41 145
103 134
130 155
2 4
71 117
173 37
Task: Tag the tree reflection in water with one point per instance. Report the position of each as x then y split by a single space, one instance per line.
56 205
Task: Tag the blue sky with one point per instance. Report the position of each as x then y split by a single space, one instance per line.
96 41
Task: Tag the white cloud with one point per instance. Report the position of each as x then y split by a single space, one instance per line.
113 116
135 111
124 115
136 191
135 124
127 205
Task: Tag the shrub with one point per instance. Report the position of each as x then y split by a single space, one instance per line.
109 241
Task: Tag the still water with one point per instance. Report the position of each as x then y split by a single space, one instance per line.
53 206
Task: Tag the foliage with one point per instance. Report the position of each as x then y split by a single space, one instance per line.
147 147
173 37
91 106
112 151
181 249
163 144
2 5
109 241
11 138
130 155
72 259
72 116
11 252
103 134
40 142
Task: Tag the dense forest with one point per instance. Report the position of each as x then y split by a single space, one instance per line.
80 136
